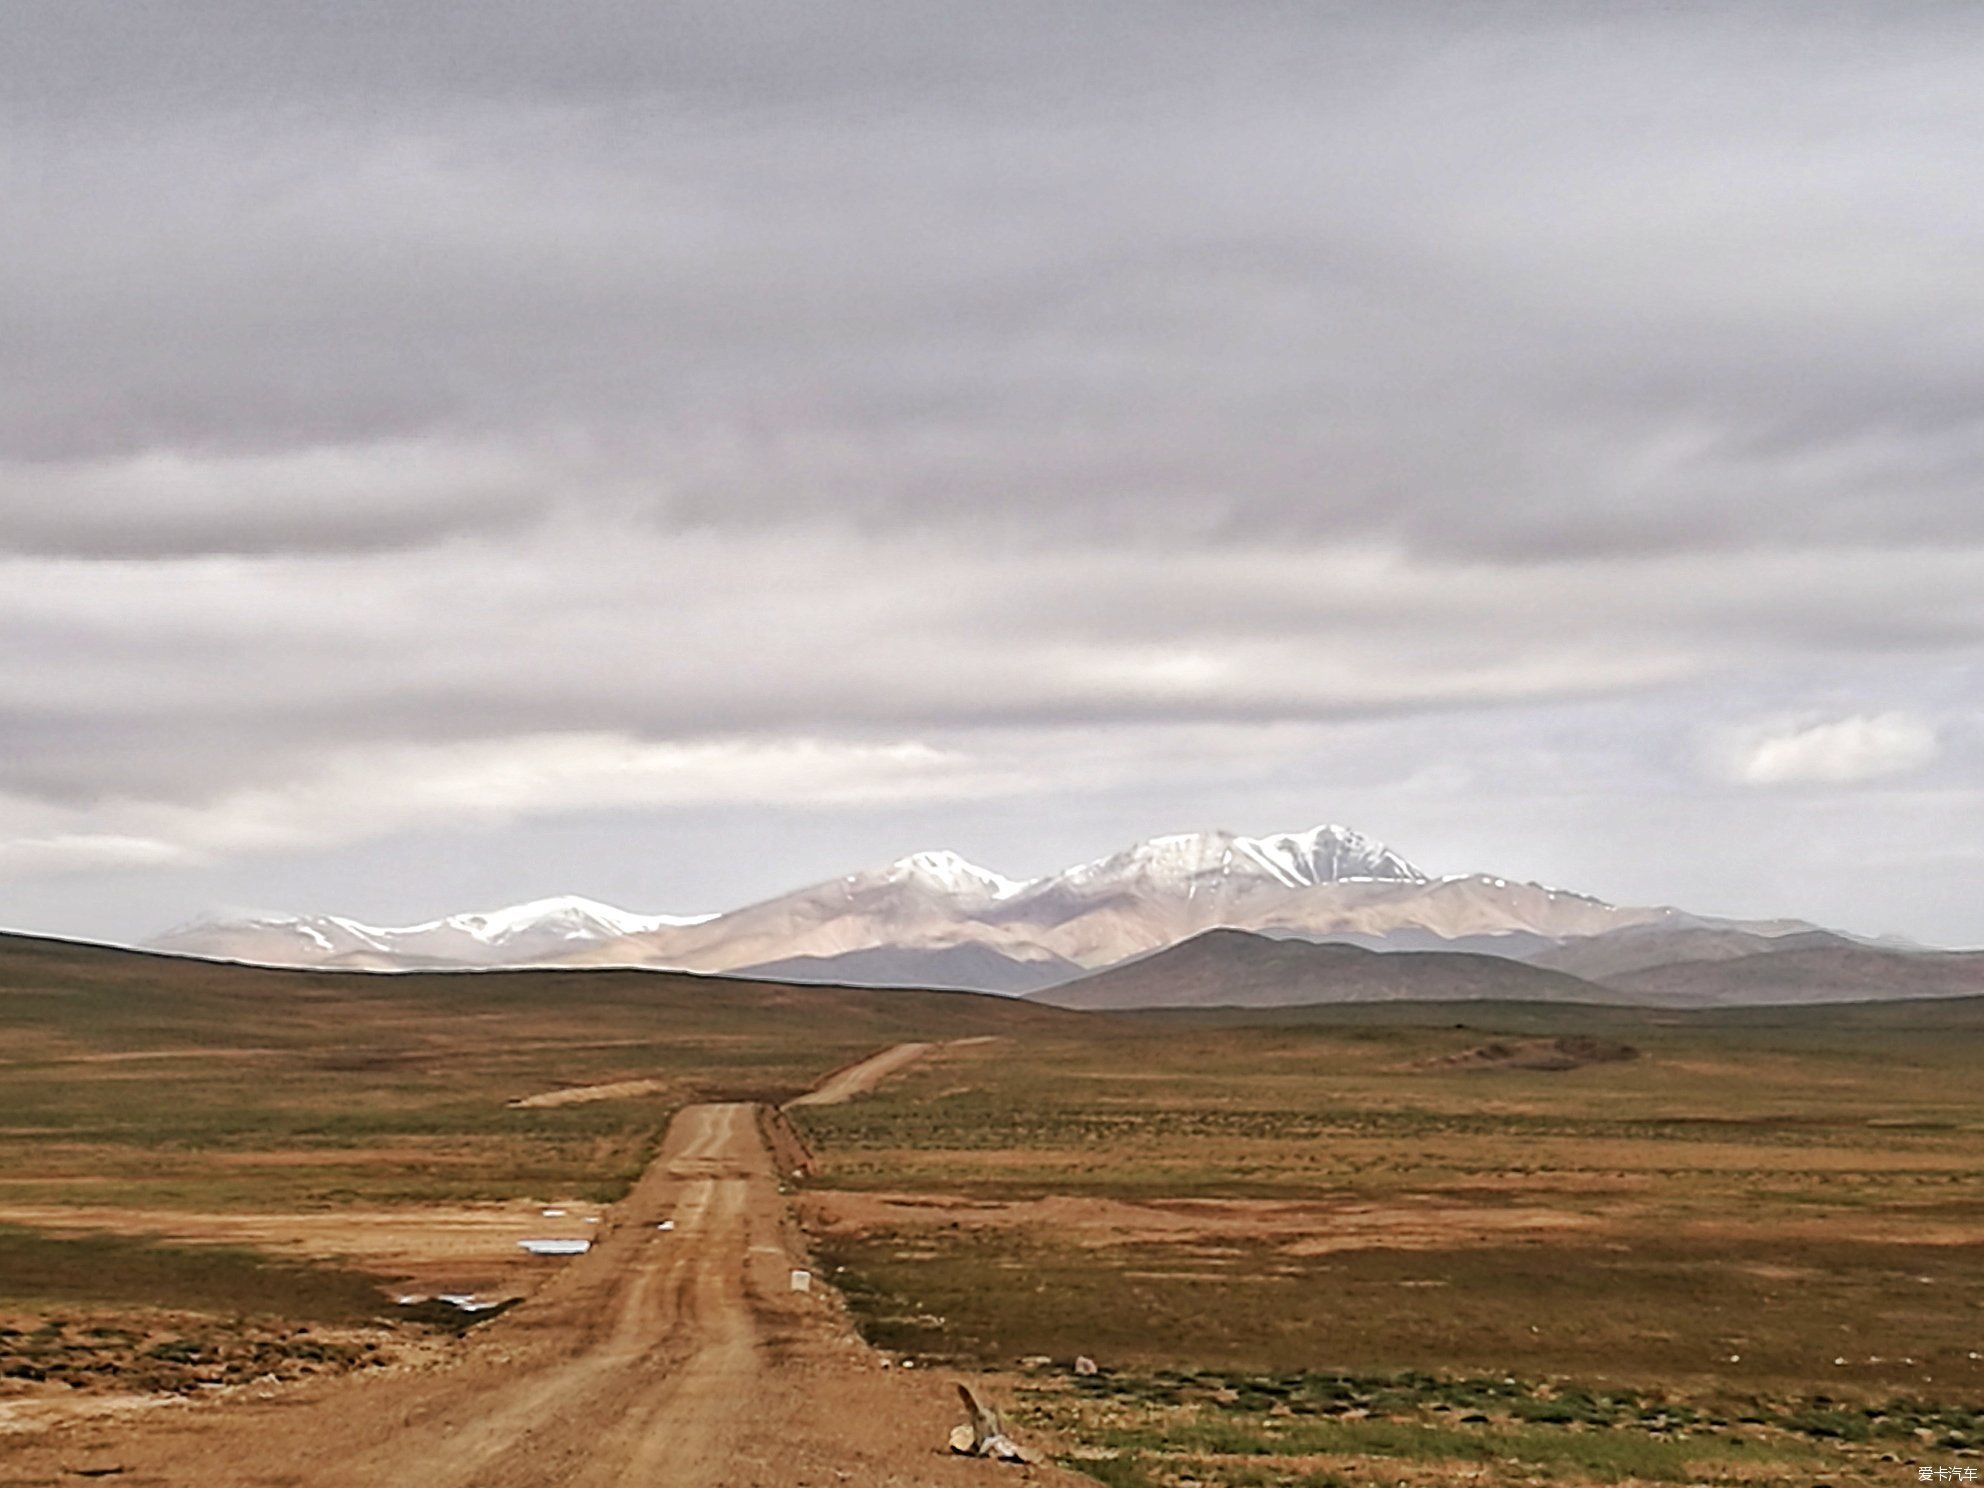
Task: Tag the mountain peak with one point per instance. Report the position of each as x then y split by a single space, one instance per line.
1327 854
1291 860
574 915
946 872
1149 893
519 933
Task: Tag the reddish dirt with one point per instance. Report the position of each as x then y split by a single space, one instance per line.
678 1357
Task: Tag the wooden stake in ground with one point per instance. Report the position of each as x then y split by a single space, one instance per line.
984 1432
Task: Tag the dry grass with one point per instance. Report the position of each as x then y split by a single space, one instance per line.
1759 1208
200 1141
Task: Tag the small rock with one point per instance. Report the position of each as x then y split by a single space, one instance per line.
1084 1364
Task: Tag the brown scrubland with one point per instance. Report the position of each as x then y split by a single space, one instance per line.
1492 1242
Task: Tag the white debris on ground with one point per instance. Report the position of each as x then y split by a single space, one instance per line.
460 1301
555 1247
802 1281
465 1301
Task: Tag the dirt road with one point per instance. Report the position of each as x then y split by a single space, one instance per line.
863 1075
674 1358
582 1095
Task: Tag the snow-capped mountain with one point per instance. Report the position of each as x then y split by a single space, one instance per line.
1145 896
523 934
568 917
926 901
943 873
935 912
1190 863
1164 889
1129 901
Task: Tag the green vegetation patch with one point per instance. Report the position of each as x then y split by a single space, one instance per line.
174 1352
1155 1429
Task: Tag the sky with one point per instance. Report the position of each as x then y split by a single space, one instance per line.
454 454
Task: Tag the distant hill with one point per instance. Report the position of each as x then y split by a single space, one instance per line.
1617 953
1514 945
1236 968
1839 972
95 996
968 967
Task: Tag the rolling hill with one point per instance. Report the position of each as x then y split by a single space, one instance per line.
1618 953
1235 968
1841 972
967 967
73 998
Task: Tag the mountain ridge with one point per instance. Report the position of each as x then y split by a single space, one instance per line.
935 916
921 895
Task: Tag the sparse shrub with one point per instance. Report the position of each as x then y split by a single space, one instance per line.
1828 1424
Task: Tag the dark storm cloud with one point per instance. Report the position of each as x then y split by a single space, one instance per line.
380 384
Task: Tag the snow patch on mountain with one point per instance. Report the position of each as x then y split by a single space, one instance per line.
571 915
944 873
539 930
1183 863
1327 854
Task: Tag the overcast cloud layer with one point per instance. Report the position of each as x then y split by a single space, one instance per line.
450 455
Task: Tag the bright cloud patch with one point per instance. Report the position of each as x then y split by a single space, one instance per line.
81 852
1862 746
358 794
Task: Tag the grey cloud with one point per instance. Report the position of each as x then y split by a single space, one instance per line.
181 679
1542 286
403 378
313 499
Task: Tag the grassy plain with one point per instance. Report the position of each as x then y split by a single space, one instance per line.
210 1143
1381 1244
1321 1246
